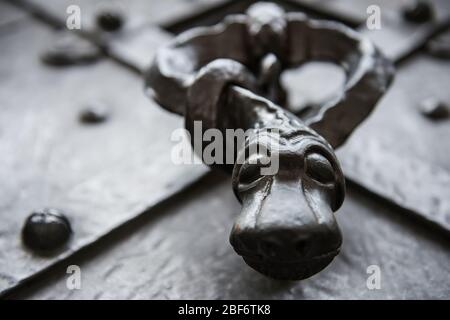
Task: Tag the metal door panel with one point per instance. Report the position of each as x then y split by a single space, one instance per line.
100 175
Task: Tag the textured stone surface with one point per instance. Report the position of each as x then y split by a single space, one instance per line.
181 251
99 175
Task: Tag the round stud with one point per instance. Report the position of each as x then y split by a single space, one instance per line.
94 113
110 21
418 11
434 109
69 49
440 47
46 229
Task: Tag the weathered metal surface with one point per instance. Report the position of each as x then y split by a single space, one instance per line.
413 170
357 10
9 13
68 49
407 245
439 46
135 13
217 13
132 42
180 251
134 48
408 160
404 161
99 175
138 37
286 229
398 38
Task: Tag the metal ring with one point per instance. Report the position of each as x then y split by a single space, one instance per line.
368 73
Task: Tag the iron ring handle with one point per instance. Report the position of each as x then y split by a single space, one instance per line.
227 77
368 73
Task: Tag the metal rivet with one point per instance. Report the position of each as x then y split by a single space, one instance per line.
418 11
110 21
46 229
94 113
434 108
70 49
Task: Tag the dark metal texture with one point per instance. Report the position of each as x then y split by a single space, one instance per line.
46 230
397 176
398 38
141 261
135 13
136 38
10 14
101 175
286 228
169 255
406 161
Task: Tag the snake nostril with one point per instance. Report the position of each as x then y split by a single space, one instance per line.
302 247
269 248
236 243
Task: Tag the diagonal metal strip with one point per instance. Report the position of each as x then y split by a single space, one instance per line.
397 39
83 192
100 175
182 251
135 13
397 153
357 10
400 154
10 14
131 44
140 18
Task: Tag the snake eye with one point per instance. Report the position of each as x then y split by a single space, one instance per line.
250 174
319 168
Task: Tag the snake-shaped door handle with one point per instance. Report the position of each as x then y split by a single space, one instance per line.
227 76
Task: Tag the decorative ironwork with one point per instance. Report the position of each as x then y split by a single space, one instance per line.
227 76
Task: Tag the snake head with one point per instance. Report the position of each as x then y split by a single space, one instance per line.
226 76
287 229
